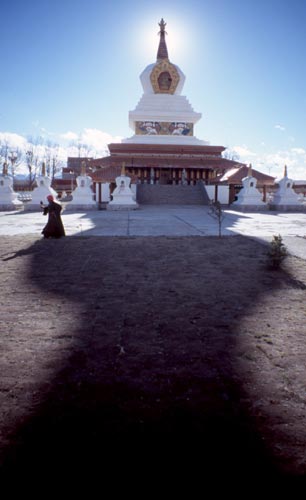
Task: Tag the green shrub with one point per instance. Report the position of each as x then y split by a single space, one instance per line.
277 252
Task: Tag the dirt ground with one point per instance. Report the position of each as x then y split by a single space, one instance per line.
175 348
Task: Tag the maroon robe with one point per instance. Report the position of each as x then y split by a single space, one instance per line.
54 227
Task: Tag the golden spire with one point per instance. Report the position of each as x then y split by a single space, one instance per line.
285 171
43 169
250 170
162 52
83 168
123 168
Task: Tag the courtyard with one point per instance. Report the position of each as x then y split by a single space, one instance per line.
143 333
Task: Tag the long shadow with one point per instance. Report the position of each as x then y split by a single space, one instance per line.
139 365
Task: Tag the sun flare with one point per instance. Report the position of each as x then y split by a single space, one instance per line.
149 37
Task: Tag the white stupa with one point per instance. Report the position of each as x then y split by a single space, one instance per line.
8 198
163 115
285 196
123 196
249 196
82 196
41 192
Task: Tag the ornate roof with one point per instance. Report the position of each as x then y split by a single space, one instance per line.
236 174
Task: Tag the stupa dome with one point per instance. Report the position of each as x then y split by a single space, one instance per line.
146 78
162 77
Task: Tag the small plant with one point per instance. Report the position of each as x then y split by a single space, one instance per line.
216 211
277 252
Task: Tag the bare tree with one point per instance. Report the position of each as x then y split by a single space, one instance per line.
217 213
47 156
56 163
15 159
84 150
29 160
10 155
4 150
33 157
230 154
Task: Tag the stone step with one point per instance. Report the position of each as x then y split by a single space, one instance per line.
159 194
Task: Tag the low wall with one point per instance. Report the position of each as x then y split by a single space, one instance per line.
222 193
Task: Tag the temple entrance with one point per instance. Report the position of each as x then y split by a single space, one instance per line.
165 177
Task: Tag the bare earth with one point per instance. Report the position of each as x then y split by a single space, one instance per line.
169 347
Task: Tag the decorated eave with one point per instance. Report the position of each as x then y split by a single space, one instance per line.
165 156
211 162
164 149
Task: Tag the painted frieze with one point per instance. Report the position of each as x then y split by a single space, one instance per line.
163 128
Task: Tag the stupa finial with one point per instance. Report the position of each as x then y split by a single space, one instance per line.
162 52
43 169
250 170
162 26
123 168
285 171
4 169
83 168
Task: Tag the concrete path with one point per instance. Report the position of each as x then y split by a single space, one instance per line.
167 221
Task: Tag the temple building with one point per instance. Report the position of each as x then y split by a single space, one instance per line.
163 150
166 162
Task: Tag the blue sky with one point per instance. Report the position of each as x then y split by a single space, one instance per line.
70 68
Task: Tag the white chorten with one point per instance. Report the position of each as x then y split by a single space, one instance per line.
285 195
41 192
8 198
249 194
163 115
82 196
123 196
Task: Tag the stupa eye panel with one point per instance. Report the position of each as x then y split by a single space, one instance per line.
164 78
164 81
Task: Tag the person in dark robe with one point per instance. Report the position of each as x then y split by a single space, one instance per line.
54 227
